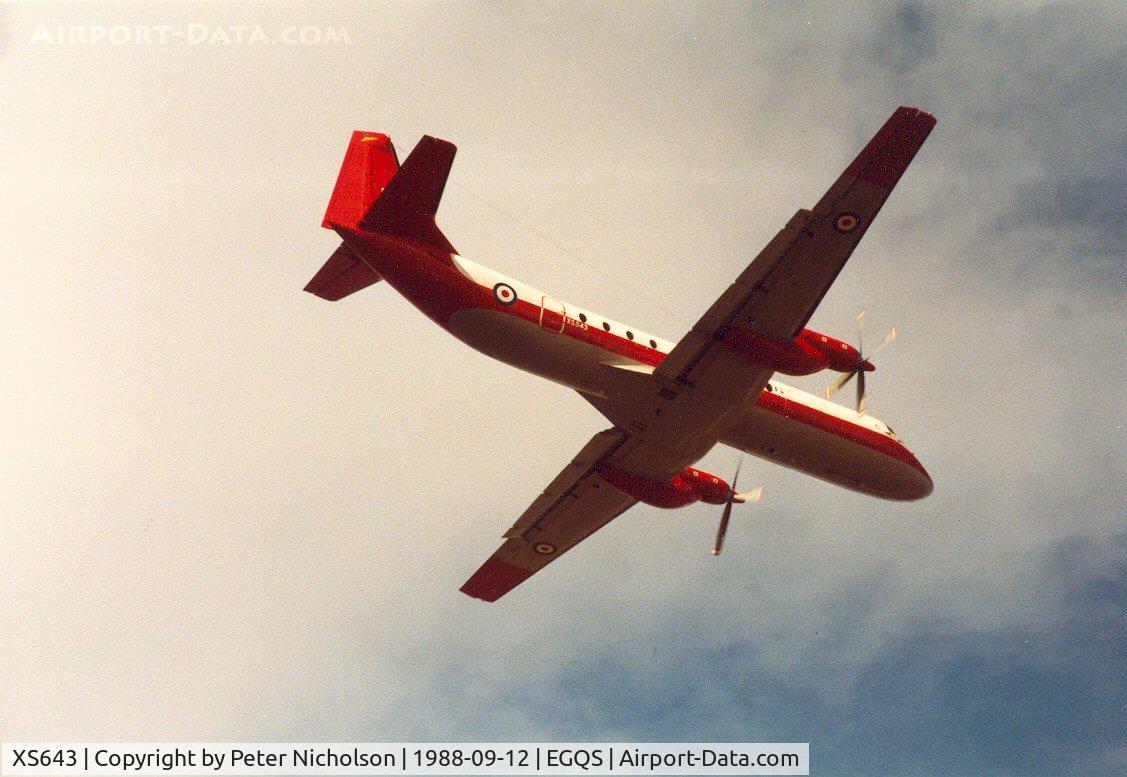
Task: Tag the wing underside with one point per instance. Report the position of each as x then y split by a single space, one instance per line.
575 505
779 291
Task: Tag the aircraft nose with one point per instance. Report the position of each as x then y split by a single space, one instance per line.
919 482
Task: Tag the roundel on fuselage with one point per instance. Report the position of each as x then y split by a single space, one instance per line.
505 293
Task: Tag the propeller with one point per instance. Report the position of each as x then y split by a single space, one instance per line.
734 497
859 369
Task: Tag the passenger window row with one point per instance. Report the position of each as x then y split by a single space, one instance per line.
629 334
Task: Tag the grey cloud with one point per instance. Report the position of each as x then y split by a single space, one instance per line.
935 698
235 511
1035 99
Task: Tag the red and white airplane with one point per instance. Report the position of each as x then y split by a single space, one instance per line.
669 403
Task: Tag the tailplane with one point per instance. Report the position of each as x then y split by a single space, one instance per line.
408 204
342 275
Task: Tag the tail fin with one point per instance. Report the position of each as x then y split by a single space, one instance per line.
369 165
408 204
374 194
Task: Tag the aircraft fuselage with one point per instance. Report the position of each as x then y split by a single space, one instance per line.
519 325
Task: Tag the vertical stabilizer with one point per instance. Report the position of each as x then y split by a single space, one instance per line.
369 165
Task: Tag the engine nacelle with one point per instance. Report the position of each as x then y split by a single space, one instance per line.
839 355
808 353
690 486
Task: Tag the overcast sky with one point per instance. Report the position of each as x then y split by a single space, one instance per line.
233 511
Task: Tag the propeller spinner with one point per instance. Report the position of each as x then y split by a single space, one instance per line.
863 364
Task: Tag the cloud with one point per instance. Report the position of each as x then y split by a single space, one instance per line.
1038 113
236 511
935 697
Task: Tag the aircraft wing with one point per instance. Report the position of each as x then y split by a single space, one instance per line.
576 504
678 413
779 291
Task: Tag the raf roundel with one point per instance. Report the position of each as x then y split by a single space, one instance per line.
544 548
846 222
505 294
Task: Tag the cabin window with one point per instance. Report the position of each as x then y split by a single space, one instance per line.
606 326
583 317
653 344
629 335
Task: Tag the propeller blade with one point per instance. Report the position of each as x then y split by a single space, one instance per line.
732 495
862 360
835 387
888 338
723 528
754 495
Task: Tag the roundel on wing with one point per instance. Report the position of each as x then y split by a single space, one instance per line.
505 293
544 548
846 222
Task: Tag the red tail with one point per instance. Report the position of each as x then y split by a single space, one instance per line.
373 194
369 165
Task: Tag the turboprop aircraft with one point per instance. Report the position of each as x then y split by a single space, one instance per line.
669 403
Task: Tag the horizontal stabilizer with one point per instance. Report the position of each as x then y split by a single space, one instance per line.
408 204
341 275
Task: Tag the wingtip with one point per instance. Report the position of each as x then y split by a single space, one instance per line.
891 150
918 114
494 579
